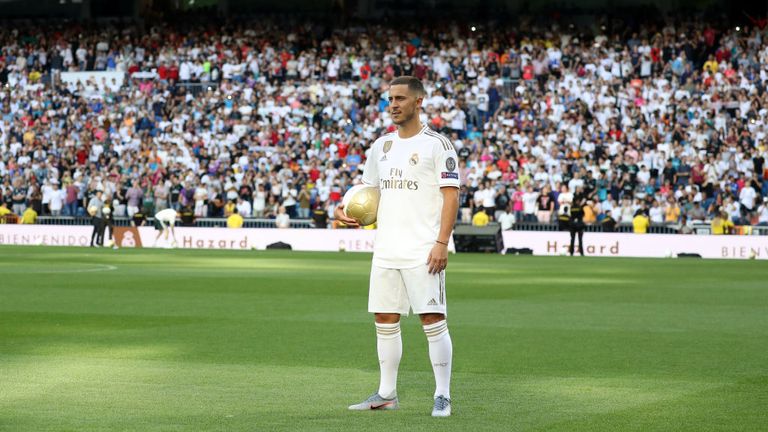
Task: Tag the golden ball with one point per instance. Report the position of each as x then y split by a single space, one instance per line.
361 203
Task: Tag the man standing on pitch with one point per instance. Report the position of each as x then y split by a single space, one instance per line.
416 171
95 209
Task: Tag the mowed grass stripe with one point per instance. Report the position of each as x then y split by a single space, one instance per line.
254 340
250 396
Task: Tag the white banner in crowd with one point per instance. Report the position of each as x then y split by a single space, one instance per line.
541 243
640 245
101 79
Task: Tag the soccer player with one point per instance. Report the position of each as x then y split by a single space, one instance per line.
165 221
416 171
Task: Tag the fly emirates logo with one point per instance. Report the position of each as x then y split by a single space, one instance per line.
396 181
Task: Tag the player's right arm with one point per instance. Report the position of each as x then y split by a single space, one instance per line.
370 177
371 168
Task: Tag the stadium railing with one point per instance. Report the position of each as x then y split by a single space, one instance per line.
698 228
705 228
200 222
620 228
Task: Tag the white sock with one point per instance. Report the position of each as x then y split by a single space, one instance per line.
441 355
389 345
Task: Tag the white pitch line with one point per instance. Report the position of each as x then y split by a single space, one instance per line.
103 267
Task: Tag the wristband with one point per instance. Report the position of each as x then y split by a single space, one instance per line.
442 243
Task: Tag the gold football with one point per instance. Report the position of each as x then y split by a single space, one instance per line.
361 203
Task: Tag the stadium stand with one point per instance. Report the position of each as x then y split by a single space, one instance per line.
666 118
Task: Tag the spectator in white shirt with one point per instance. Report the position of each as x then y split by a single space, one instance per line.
282 220
56 199
530 199
656 213
506 219
244 208
564 200
762 213
747 197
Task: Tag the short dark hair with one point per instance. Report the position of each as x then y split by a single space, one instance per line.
414 84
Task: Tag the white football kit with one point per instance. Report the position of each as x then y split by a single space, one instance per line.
166 217
409 173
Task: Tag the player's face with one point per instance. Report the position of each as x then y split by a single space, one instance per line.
403 104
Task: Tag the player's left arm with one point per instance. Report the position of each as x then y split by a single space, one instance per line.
438 256
447 177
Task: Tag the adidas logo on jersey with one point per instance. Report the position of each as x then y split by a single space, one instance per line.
432 303
383 158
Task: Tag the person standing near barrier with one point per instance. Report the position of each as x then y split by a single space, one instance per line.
235 220
187 216
304 200
71 200
162 192
95 209
576 223
480 219
19 196
139 218
29 217
108 225
283 219
135 197
320 216
56 199
6 196
640 223
762 213
563 218
4 212
546 205
608 223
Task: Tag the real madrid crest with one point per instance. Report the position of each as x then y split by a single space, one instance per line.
414 159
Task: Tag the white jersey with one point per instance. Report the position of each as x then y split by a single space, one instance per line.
167 216
409 173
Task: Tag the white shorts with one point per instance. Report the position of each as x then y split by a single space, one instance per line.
400 290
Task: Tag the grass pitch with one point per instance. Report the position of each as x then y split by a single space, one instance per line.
161 340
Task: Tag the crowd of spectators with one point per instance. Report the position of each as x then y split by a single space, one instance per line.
270 117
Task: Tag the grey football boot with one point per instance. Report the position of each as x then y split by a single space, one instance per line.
376 402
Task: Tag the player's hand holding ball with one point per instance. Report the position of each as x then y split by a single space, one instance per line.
341 216
359 206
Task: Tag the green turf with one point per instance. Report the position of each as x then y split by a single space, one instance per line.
140 340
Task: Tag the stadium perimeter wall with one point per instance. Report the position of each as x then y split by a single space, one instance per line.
541 243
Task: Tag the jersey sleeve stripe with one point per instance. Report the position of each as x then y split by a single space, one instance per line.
443 140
